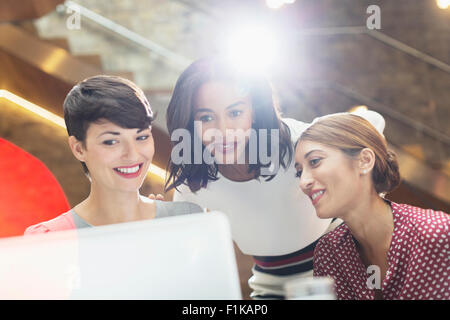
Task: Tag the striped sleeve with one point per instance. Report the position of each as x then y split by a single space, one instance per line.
293 263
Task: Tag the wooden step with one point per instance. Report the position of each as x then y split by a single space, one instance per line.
62 43
27 26
93 59
414 149
158 91
17 10
446 168
124 74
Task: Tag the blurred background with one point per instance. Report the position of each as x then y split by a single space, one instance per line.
323 56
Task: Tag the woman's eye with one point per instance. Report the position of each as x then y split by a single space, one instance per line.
314 162
205 118
110 142
235 113
143 137
298 174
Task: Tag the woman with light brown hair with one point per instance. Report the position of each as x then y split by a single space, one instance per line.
383 250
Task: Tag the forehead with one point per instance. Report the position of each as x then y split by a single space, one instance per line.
218 95
103 125
306 148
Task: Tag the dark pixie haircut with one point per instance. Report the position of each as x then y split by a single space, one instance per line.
180 114
105 98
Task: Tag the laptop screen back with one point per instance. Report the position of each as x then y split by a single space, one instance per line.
183 257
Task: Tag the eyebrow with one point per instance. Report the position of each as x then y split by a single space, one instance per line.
230 106
118 133
307 154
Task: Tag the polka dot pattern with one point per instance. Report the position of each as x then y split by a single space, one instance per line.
418 258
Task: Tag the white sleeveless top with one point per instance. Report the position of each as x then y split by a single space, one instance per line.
267 218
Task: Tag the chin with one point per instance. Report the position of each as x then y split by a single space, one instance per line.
323 214
131 186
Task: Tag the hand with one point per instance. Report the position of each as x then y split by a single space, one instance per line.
157 197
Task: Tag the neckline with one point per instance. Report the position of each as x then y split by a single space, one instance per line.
389 272
77 217
220 175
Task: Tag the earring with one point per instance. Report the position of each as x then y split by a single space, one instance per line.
364 171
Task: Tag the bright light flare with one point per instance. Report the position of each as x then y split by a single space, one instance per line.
357 109
276 4
443 4
252 48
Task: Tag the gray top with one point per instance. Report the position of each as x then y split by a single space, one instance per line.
163 209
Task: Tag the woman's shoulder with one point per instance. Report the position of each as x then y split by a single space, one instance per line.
426 222
334 238
62 222
176 208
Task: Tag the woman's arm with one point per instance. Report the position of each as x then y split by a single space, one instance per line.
36 229
318 260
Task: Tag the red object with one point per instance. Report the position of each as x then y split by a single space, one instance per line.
29 193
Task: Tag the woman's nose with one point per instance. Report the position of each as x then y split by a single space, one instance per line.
130 151
223 126
306 181
228 128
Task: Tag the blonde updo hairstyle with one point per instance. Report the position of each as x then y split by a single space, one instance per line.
351 134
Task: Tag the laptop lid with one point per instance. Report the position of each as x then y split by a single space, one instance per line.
183 257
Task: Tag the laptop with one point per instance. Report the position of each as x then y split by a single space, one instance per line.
184 257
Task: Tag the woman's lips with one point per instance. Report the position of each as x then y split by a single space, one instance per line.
129 172
224 148
316 195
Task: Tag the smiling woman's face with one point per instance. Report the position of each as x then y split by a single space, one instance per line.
117 158
220 106
329 177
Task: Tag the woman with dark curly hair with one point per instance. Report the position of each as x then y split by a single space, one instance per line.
236 158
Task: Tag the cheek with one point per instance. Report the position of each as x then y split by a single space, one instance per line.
346 187
335 178
210 134
146 148
245 122
199 132
150 150
99 162
99 156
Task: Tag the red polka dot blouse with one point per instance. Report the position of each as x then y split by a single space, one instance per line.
418 259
